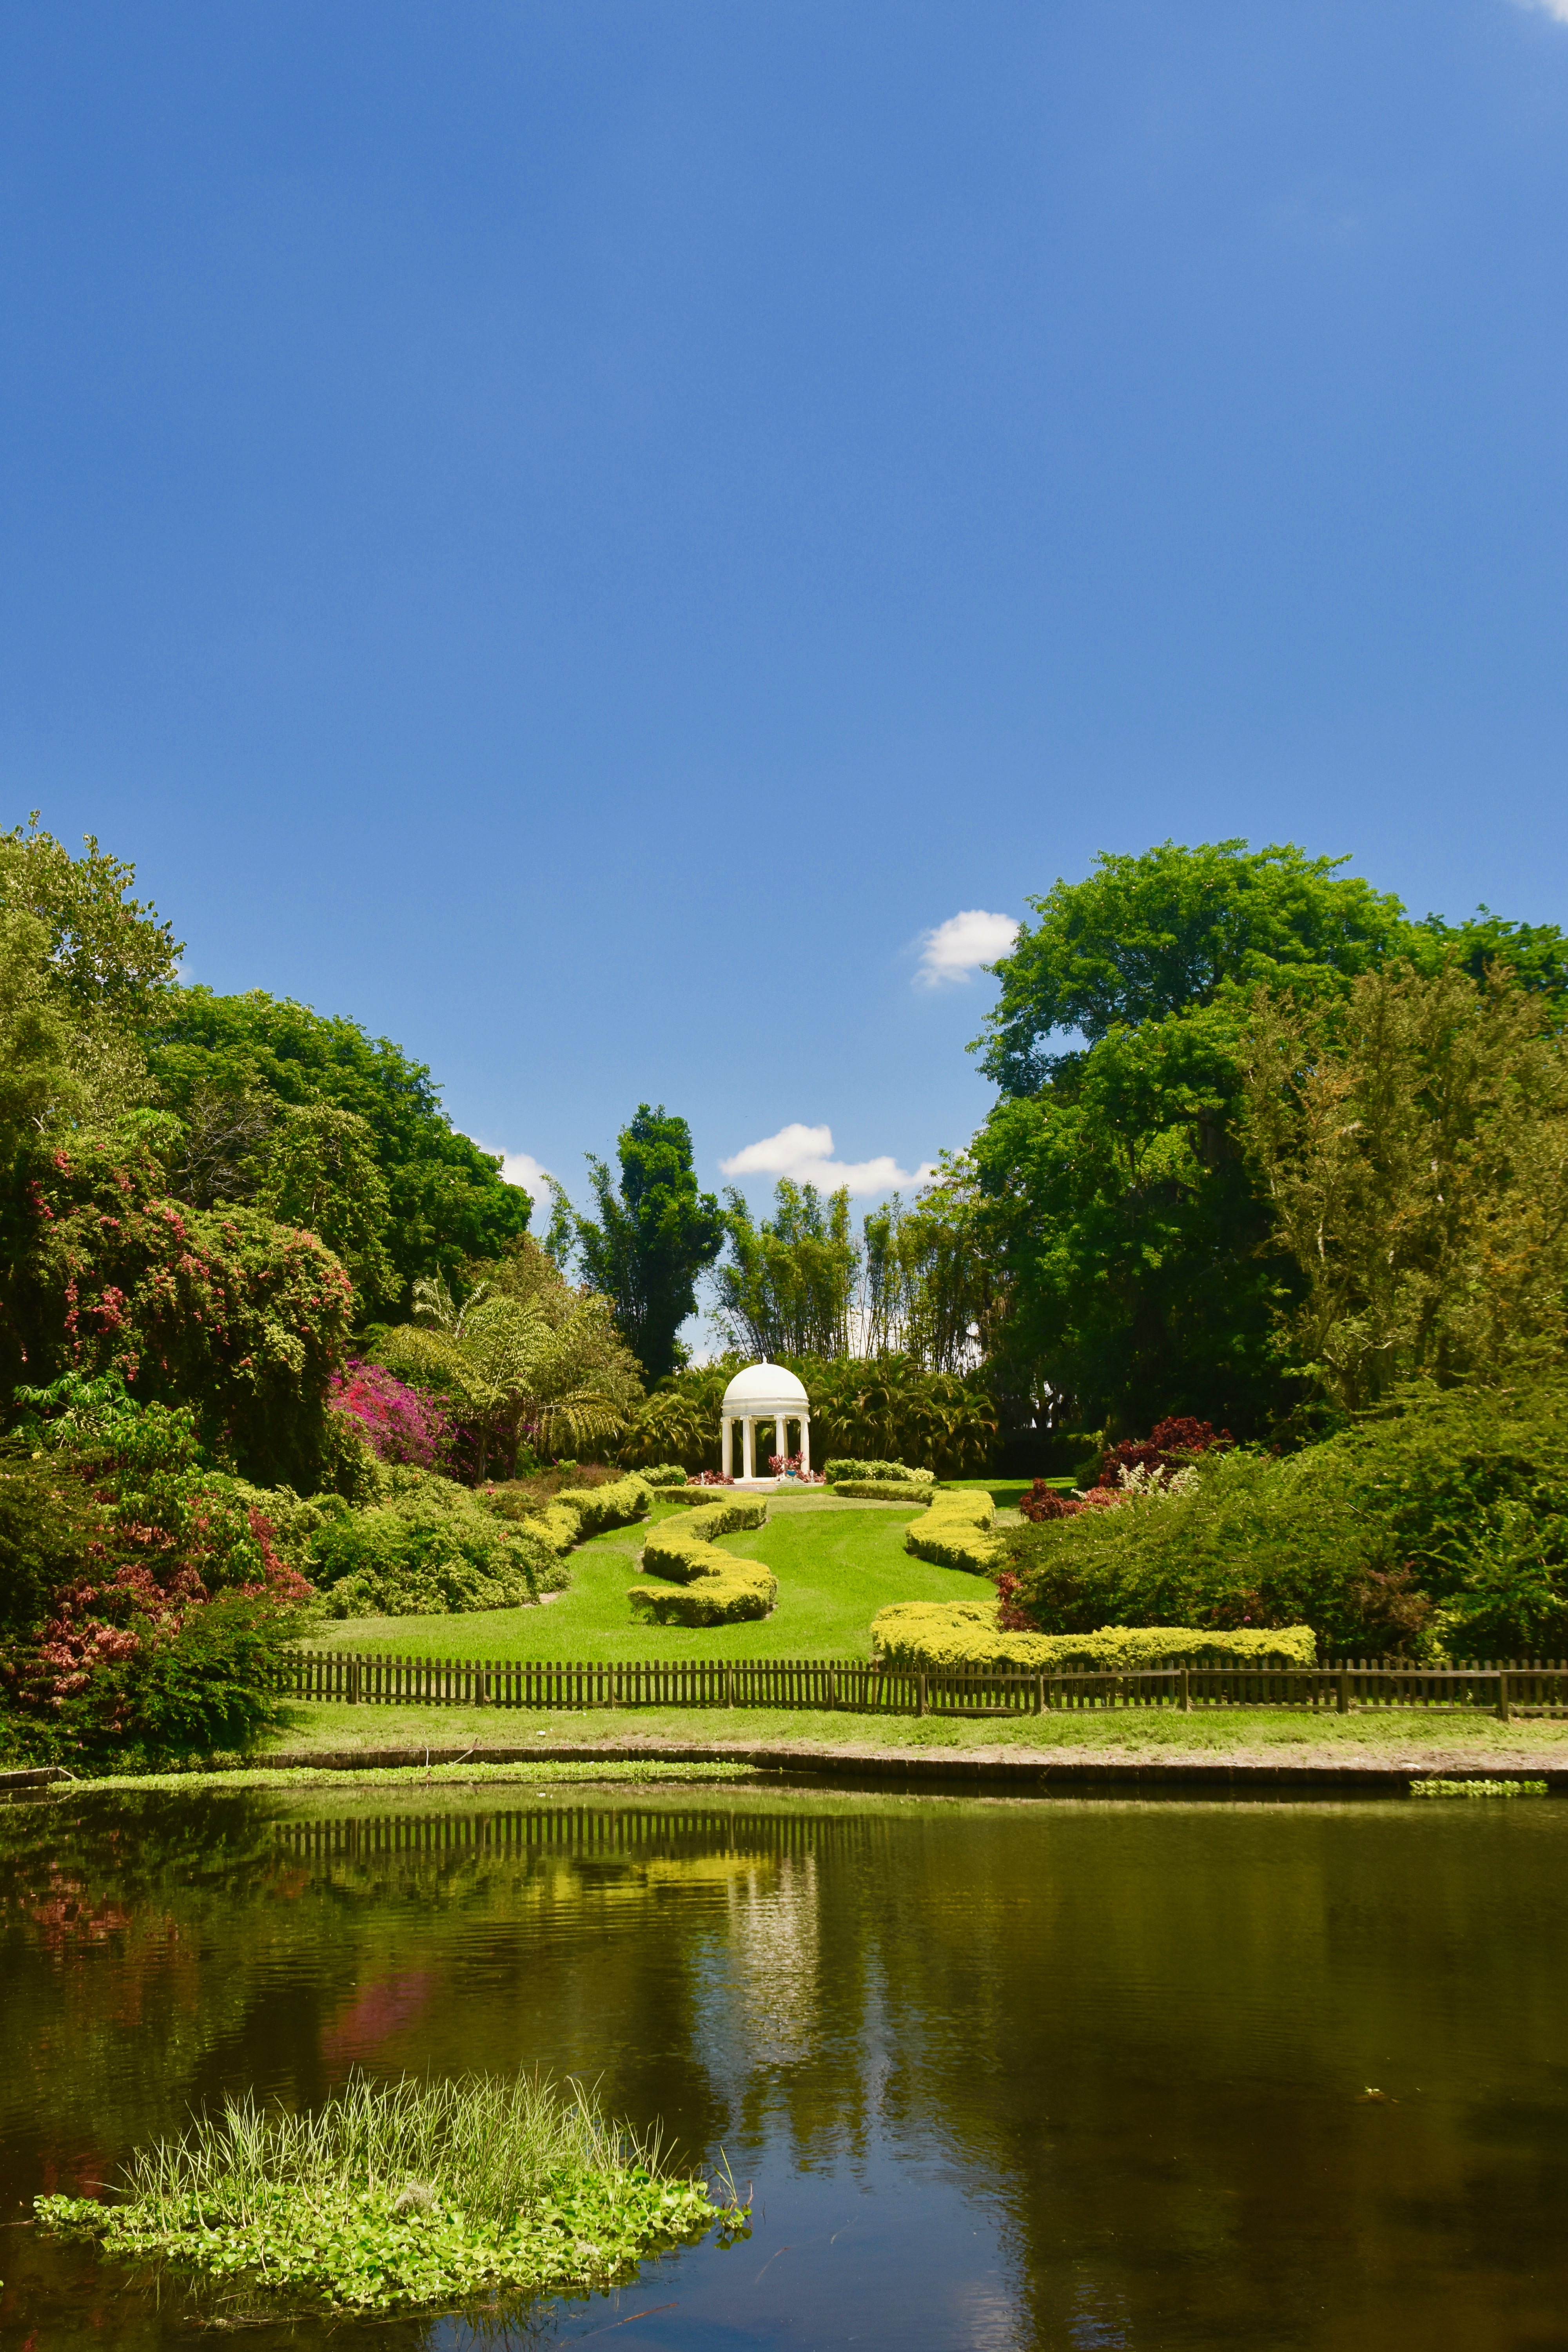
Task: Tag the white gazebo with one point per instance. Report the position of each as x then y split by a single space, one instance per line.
763 1392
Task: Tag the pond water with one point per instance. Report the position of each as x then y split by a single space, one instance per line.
1001 2076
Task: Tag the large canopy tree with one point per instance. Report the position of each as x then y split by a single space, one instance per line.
234 1066
654 1236
1128 1228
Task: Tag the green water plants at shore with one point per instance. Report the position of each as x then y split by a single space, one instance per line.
407 2193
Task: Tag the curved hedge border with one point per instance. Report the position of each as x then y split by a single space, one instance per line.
900 1472
584 1511
884 1490
937 1634
709 1586
955 1533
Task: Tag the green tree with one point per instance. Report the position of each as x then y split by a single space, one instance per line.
223 1311
1145 939
1127 1227
225 1064
524 1353
929 1289
108 954
653 1237
1412 1143
82 967
789 1288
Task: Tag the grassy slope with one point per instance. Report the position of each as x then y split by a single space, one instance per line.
836 1563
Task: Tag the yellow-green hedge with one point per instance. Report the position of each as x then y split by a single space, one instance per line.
584 1511
885 1490
955 1533
937 1635
702 1585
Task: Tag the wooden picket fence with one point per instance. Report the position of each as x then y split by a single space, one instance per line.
1505 1688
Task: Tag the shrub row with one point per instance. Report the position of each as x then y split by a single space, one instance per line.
938 1635
1438 1525
709 1586
885 1490
955 1533
834 1471
429 1548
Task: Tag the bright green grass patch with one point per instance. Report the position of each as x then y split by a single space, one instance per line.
837 1564
1402 1737
404 2193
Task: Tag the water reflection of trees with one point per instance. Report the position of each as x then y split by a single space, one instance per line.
1141 2033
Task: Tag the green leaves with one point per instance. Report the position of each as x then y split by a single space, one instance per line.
653 1238
1144 938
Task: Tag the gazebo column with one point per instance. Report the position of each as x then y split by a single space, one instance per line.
805 1445
728 1465
749 1445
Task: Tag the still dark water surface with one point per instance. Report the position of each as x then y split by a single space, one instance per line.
1003 2076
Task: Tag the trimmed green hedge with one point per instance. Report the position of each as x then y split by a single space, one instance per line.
664 1474
955 1533
583 1511
704 1586
885 1490
898 1471
937 1635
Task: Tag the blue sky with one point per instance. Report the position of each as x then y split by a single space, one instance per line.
581 535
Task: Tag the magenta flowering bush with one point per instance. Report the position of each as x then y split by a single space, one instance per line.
399 1423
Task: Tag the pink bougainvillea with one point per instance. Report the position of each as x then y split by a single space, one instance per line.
399 1423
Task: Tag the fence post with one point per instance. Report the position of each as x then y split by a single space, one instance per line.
920 1705
1186 1692
1344 1691
352 1694
1502 1696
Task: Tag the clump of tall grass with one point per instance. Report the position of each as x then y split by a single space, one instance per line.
404 2193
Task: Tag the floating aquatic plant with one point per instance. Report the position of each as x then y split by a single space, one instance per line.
405 2193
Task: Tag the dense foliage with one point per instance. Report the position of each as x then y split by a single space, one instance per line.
653 1237
1125 1207
946 1422
1412 1143
524 1361
1439 1524
146 1599
245 1320
389 1180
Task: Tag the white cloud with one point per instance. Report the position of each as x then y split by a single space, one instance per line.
962 944
1555 9
805 1154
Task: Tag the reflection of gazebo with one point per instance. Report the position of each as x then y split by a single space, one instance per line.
763 1392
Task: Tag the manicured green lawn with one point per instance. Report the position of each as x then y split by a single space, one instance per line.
1005 1492
837 1564
1394 1736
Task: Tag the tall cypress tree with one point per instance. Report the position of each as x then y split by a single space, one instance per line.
654 1236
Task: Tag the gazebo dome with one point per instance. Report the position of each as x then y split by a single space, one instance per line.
766 1388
